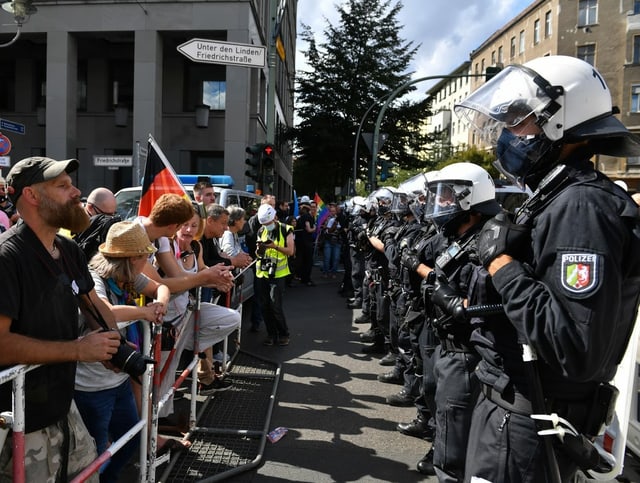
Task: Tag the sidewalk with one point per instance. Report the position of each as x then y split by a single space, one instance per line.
339 426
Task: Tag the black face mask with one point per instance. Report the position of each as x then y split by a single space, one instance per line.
519 158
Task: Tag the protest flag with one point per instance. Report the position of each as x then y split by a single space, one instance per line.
159 178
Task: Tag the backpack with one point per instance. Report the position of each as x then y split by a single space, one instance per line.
90 239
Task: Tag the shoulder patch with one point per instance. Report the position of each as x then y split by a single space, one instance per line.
580 272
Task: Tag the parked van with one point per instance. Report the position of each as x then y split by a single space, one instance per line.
128 200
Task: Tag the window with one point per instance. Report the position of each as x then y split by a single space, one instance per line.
8 86
500 55
635 98
636 49
636 7
587 53
536 31
547 24
587 12
521 44
214 94
205 84
81 96
512 51
121 82
493 57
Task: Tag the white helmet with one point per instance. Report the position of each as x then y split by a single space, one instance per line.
409 194
384 197
460 188
358 203
568 97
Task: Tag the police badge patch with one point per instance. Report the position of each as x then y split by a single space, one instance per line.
579 272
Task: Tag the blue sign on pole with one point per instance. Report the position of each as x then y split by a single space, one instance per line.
11 126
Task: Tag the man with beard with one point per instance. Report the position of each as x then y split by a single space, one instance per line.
45 279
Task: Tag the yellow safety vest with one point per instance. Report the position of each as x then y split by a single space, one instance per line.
282 260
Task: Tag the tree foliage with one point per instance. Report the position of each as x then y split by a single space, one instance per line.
361 61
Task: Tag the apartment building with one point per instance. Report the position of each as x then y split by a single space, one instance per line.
93 78
604 33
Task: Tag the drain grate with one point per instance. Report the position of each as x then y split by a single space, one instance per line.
231 433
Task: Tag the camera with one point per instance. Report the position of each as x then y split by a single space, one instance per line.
129 360
268 265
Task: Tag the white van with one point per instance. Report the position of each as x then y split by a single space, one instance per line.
128 200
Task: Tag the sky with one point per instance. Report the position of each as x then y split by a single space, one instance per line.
446 30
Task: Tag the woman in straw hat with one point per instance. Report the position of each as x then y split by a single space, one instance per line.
105 397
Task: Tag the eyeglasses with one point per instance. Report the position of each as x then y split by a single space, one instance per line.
100 212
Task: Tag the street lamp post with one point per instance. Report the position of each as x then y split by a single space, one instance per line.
357 141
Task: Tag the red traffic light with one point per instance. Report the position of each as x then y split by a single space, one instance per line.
268 149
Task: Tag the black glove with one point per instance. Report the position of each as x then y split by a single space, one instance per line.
500 236
410 260
362 236
450 301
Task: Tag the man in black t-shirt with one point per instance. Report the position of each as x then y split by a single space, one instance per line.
39 318
305 231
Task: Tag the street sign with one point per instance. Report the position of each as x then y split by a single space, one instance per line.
5 145
217 52
368 140
113 161
11 126
5 162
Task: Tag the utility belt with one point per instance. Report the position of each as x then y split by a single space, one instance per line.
587 415
455 346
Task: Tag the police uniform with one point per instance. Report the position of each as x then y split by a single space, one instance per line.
574 299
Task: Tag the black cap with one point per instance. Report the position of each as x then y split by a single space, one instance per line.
36 169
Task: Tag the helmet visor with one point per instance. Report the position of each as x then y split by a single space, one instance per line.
505 101
443 201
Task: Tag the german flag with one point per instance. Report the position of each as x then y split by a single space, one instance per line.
159 179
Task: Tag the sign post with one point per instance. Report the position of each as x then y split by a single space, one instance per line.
217 52
11 126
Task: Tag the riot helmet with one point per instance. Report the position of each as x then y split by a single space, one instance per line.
563 99
456 191
383 197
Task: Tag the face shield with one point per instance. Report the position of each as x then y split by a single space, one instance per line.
445 201
512 96
384 198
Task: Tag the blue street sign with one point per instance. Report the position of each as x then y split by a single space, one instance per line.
11 126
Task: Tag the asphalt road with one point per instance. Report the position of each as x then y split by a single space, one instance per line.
340 428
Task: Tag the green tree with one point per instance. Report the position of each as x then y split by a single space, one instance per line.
362 60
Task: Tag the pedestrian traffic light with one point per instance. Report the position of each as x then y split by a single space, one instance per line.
255 152
385 172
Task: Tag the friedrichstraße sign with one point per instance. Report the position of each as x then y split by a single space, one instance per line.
113 161
217 52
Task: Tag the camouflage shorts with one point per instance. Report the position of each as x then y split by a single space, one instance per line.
42 452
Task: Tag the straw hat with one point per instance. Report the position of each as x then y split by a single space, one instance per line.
126 239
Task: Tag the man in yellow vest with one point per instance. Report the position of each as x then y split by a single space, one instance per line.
274 247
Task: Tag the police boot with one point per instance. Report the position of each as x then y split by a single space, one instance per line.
389 359
418 428
378 346
401 399
393 377
362 319
425 465
368 336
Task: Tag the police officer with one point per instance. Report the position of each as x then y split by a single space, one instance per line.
569 285
383 230
462 199
357 225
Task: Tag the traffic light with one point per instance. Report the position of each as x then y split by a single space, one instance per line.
255 152
385 172
268 167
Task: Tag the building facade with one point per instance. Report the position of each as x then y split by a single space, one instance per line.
604 33
92 78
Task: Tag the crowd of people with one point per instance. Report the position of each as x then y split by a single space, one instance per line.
454 289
